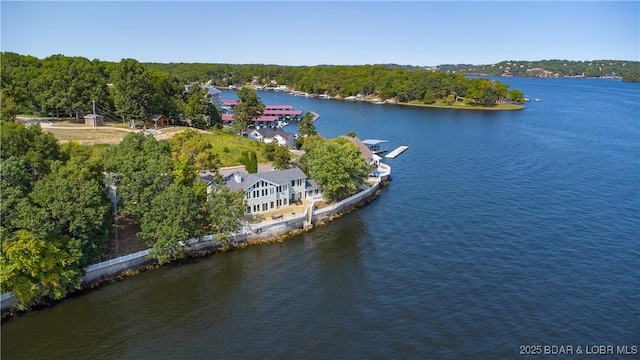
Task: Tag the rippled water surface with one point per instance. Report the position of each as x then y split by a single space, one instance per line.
499 229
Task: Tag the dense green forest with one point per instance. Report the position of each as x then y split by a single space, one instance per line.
65 86
383 81
627 70
56 213
68 86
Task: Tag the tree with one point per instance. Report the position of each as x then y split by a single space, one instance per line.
37 148
429 97
489 97
225 212
198 107
250 161
71 202
281 157
143 165
175 216
33 268
17 74
132 90
337 166
250 107
69 84
516 95
191 152
8 108
166 96
15 185
306 125
270 150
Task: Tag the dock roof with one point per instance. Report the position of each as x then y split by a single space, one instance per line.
373 141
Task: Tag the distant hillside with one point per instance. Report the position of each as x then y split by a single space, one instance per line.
626 70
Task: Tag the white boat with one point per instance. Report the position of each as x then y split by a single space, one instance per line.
536 99
379 102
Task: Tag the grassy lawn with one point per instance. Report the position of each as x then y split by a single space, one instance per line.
230 147
88 136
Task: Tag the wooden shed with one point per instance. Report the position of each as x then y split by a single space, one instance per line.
94 120
157 120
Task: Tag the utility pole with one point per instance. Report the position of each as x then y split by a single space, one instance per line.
114 188
115 205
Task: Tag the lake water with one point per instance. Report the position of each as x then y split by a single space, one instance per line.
498 230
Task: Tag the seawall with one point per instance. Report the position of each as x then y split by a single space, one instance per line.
263 232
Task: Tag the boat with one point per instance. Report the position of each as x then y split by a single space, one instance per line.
379 102
537 100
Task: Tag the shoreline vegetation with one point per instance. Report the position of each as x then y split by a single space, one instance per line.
463 106
190 256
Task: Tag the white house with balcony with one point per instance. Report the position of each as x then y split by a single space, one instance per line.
270 190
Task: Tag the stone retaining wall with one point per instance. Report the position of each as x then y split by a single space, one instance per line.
273 230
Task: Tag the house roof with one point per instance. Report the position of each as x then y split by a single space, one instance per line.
364 149
276 107
373 141
282 112
311 184
277 177
230 102
213 91
229 117
271 133
155 117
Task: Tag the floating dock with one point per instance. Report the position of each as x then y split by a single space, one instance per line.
396 152
316 116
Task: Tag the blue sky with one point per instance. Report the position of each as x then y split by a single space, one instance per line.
324 32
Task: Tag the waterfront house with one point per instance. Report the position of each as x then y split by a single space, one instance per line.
270 190
372 159
268 135
378 169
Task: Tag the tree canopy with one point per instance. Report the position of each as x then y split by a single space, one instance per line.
336 165
250 107
132 88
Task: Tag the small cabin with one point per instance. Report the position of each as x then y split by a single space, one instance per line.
94 120
157 120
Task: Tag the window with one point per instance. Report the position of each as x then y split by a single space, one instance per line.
284 201
272 204
271 191
293 183
264 207
248 209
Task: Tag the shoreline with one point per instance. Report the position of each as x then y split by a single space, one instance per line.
498 107
198 250
462 106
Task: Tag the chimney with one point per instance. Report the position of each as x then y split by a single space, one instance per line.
237 177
